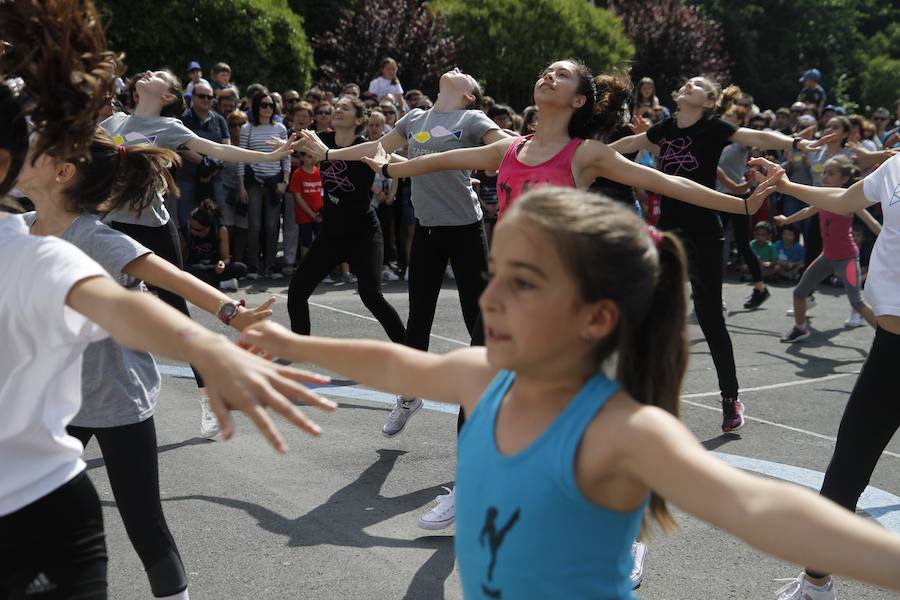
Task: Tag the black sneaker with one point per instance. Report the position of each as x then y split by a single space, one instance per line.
757 298
796 334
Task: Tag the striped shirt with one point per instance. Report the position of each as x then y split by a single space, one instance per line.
254 137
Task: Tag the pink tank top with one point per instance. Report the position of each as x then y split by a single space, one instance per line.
516 178
837 236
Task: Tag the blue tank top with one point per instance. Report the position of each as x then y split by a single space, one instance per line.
523 528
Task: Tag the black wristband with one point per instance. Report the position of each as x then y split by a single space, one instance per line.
384 170
796 143
327 150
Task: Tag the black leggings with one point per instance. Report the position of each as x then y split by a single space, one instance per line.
55 544
740 224
164 242
207 273
363 249
870 420
465 247
131 463
705 265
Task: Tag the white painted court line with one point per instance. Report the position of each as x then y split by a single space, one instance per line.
774 386
368 318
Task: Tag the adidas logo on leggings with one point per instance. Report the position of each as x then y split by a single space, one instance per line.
40 585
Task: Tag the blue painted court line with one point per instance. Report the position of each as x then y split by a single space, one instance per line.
882 506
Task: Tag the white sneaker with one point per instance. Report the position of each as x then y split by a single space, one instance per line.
388 275
404 409
254 275
273 274
638 554
209 425
854 321
810 304
348 278
801 589
443 515
229 285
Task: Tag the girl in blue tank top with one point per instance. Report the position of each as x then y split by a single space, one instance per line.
558 465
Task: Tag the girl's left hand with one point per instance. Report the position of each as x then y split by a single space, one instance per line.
774 174
266 337
248 316
380 159
285 146
807 145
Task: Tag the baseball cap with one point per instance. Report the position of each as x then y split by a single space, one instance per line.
806 120
813 74
194 65
835 109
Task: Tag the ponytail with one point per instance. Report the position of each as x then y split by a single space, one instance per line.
59 49
606 106
727 99
112 177
653 356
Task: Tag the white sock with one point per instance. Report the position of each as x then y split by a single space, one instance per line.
182 595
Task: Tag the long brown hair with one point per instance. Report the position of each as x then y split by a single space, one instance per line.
724 99
113 177
605 109
613 256
59 49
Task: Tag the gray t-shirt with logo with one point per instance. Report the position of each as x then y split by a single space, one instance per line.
444 197
118 386
165 132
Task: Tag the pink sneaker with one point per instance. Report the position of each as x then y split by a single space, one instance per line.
732 414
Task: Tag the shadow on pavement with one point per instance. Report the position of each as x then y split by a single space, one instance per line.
343 518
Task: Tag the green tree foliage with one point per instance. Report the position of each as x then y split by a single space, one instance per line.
409 31
321 15
506 43
262 40
670 55
772 42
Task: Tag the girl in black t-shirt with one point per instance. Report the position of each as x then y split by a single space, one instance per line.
689 145
350 229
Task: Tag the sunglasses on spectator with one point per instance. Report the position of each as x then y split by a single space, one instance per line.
323 112
266 105
291 100
204 96
388 111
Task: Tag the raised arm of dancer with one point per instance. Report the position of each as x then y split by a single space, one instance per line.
599 160
800 215
230 153
310 142
458 377
736 188
871 222
781 519
161 273
235 379
480 158
865 158
632 143
842 201
774 140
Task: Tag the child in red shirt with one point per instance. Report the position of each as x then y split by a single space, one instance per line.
306 185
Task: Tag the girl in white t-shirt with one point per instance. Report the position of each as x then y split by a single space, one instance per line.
51 527
872 416
386 82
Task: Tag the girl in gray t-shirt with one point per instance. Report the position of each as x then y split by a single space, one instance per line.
120 386
144 216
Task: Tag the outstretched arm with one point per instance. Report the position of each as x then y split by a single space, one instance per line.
870 221
161 273
631 144
800 215
774 140
842 201
458 377
598 160
230 153
780 519
481 158
236 380
310 142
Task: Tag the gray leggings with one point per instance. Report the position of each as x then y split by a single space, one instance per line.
846 269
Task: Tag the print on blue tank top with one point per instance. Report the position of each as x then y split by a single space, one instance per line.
523 528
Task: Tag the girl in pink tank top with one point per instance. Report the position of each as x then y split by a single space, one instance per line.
516 177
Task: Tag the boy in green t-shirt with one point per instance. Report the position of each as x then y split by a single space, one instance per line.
764 249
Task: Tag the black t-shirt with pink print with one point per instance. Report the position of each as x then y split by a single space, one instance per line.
347 186
693 153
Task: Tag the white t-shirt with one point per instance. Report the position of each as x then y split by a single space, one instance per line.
381 87
883 281
40 363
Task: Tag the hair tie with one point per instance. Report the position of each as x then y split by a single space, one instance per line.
123 152
655 235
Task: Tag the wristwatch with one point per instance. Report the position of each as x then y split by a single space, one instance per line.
228 309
